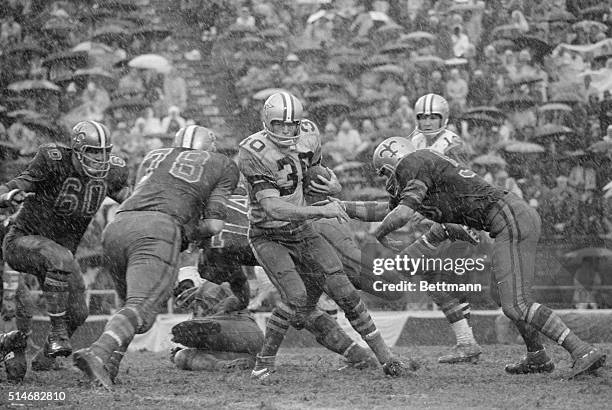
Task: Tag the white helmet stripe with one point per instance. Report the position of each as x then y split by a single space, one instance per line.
188 137
101 133
288 105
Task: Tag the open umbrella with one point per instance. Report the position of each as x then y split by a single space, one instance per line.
111 33
418 36
391 69
33 85
525 80
601 146
559 15
323 80
537 46
266 92
430 62
20 114
152 33
486 109
376 60
482 119
455 62
524 147
151 62
132 105
240 29
70 59
93 47
516 103
507 31
594 12
119 5
101 77
579 254
58 26
252 42
272 33
551 131
586 25
26 48
310 50
396 48
555 107
334 105
489 159
43 125
566 98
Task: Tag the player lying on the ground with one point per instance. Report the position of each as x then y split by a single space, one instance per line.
439 188
176 188
298 260
213 339
61 190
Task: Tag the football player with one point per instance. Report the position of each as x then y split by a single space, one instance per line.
61 190
298 261
180 190
432 112
442 190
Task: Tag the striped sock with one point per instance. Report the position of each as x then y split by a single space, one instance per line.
276 328
119 331
551 325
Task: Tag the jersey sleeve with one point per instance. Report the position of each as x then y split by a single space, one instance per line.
118 176
38 170
259 177
412 179
216 207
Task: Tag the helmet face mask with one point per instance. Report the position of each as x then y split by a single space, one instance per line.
196 137
90 142
389 153
281 117
426 109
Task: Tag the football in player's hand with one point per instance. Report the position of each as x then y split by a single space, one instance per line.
312 174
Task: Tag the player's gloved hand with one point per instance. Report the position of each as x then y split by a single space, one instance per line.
227 305
329 186
456 232
334 210
14 197
392 244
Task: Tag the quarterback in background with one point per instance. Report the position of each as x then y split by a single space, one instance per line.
298 261
61 190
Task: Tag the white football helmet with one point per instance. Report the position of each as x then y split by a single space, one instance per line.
389 153
286 108
431 104
195 137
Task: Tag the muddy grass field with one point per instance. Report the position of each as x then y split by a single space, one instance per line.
307 378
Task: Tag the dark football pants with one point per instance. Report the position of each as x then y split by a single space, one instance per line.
357 265
516 229
38 255
297 260
142 251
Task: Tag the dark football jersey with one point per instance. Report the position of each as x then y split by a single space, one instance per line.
184 183
65 199
441 190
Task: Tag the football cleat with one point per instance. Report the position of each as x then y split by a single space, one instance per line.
114 361
398 368
588 362
58 344
536 362
462 353
262 375
43 363
93 367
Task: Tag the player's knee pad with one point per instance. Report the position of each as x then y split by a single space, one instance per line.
280 319
58 258
56 281
327 332
342 292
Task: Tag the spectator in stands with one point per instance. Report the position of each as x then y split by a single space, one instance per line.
175 90
95 101
321 30
10 31
23 137
139 127
173 121
504 181
456 92
132 80
403 116
536 193
524 69
480 89
295 74
348 138
561 204
245 18
459 40
436 83
368 20
518 21
152 124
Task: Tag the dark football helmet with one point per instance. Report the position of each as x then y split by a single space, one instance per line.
90 142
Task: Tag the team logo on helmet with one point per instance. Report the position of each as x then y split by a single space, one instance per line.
389 153
284 108
90 141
